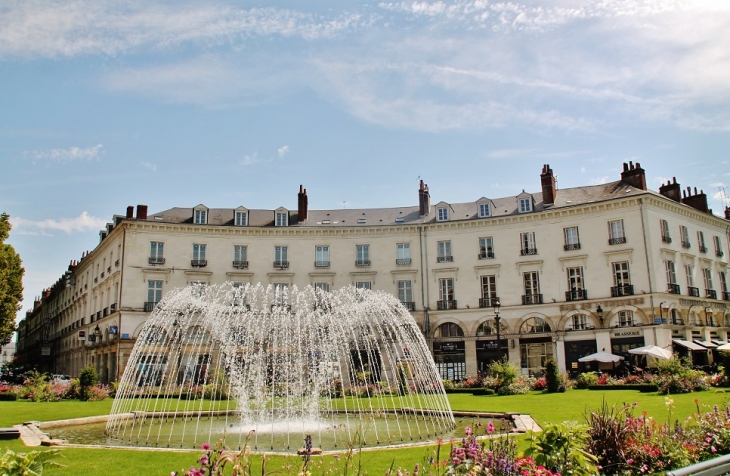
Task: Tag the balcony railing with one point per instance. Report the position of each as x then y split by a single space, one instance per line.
528 251
572 246
281 264
113 308
685 244
711 293
666 238
444 259
677 321
446 305
488 302
321 264
109 270
105 312
98 315
617 241
282 305
402 261
411 306
719 253
116 263
620 291
531 299
576 295
673 288
149 306
240 264
693 291
361 263
91 318
199 263
726 296
486 255
154 261
703 249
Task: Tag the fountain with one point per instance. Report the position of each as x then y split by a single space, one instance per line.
268 366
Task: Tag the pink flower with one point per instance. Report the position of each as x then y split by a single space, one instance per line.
630 460
205 446
490 428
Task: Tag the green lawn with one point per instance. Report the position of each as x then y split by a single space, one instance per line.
545 408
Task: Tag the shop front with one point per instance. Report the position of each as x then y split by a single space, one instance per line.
623 340
450 358
489 351
534 351
574 350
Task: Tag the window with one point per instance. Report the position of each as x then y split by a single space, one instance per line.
625 318
701 242
571 238
621 276
684 236
723 283
671 277
363 285
486 247
199 255
322 286
321 256
282 219
280 293
444 252
405 292
240 256
579 322
200 216
443 214
362 255
525 205
489 327
532 294
664 226
241 218
403 251
535 325
616 232
154 292
484 210
156 253
281 259
707 275
489 291
446 293
527 241
718 247
576 289
450 330
689 272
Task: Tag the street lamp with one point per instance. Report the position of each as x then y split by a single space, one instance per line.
708 316
663 306
97 333
599 313
497 319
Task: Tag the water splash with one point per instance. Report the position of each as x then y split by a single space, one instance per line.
266 366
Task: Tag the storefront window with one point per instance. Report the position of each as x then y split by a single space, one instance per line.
533 357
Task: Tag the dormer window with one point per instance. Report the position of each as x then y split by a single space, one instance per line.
484 210
200 217
241 218
282 219
525 205
443 214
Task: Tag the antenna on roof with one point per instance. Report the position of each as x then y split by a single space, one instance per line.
344 202
723 197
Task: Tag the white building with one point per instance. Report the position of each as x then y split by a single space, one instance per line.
575 271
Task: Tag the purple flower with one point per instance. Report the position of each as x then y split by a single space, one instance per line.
203 460
205 446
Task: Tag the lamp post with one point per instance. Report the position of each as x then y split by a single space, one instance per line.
663 306
97 333
599 313
708 316
497 319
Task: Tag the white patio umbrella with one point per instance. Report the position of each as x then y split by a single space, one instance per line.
652 351
601 357
724 347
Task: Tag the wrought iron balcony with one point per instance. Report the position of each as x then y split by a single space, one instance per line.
281 305
711 293
693 291
625 290
666 238
726 296
411 306
98 315
531 299
198 263
102 275
113 308
402 261
673 288
719 253
240 264
617 241
528 251
149 306
321 264
109 270
116 263
677 321
486 255
281 264
572 246
703 249
446 305
685 244
91 318
105 312
154 261
576 295
444 259
361 263
488 302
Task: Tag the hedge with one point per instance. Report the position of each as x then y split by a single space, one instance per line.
642 387
8 397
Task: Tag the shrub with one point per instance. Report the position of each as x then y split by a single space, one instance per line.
586 379
552 376
31 463
87 379
504 372
518 387
560 448
448 384
8 396
540 384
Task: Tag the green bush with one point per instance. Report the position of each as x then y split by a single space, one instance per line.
552 376
482 391
586 379
504 372
87 379
560 447
32 463
8 396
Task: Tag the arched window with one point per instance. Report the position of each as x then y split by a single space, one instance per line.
449 330
489 327
625 318
535 325
156 335
577 322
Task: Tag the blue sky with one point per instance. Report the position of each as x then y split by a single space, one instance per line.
116 103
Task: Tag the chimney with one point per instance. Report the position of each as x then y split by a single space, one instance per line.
727 213
698 201
46 293
303 204
634 176
549 188
141 212
671 190
130 211
424 200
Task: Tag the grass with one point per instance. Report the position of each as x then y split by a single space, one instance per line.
545 408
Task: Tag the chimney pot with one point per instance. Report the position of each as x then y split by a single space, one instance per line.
549 187
634 176
424 199
141 212
302 204
130 211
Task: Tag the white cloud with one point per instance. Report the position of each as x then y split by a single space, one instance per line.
81 223
598 180
148 165
250 159
71 154
283 151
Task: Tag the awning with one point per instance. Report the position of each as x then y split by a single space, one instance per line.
718 342
688 345
706 343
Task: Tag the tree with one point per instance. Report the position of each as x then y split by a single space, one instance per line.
11 282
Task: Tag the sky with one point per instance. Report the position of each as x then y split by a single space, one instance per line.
116 103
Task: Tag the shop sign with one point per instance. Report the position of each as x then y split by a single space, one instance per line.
46 350
628 333
448 347
82 335
92 338
113 330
